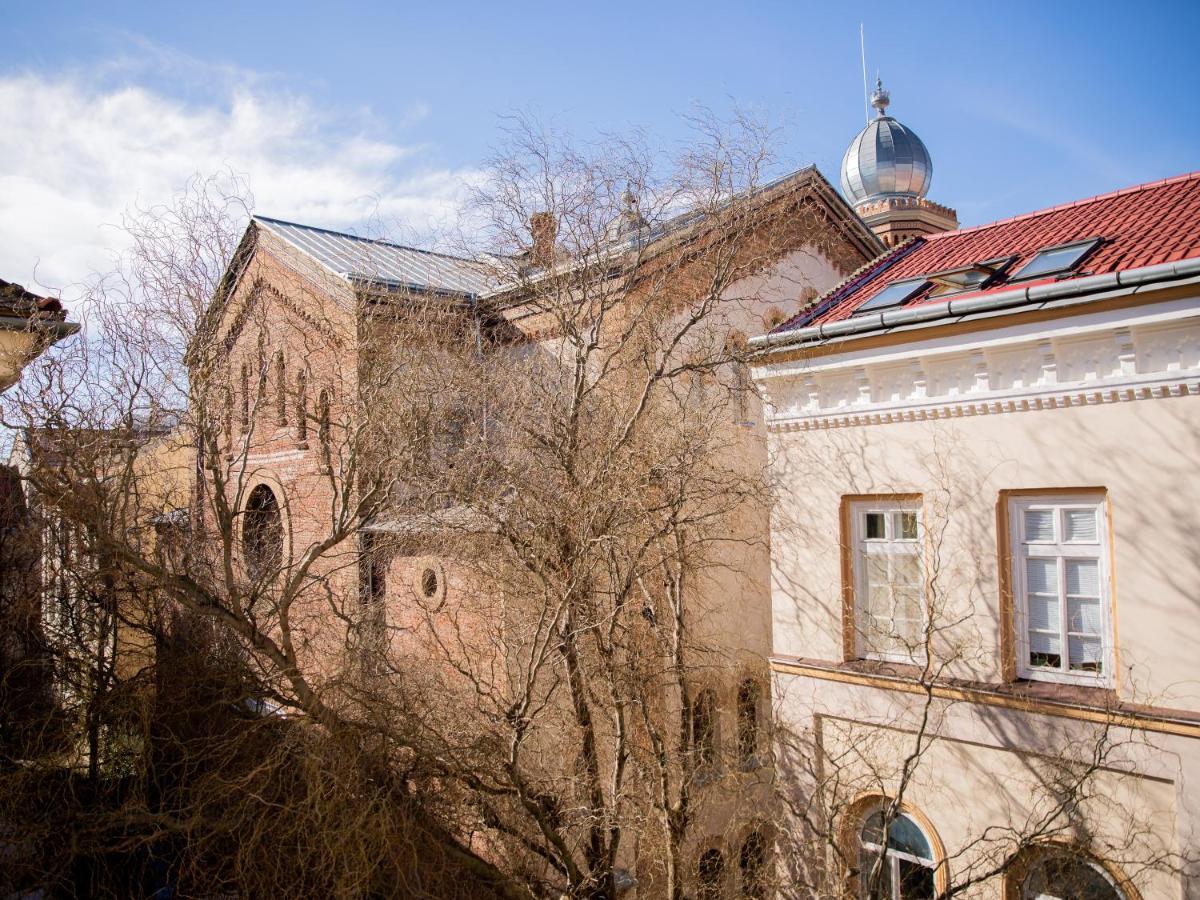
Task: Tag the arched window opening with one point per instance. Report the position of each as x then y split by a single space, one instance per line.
748 699
1062 875
710 875
704 728
245 411
324 429
898 864
262 365
262 532
227 417
280 389
302 405
752 861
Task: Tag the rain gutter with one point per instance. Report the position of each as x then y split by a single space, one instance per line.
57 330
926 314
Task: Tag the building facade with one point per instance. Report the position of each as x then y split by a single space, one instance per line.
983 572
303 337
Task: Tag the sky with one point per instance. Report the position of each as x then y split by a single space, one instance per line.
340 114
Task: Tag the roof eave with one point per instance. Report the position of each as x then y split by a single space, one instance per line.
1009 301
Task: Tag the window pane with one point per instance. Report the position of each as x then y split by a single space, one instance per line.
906 570
1085 653
1062 876
906 836
1042 575
1045 642
1081 525
1083 577
916 881
1039 525
874 876
1043 613
906 526
872 830
1083 616
875 526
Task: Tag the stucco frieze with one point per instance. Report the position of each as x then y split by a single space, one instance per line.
1113 362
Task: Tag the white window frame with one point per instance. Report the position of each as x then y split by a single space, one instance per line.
862 547
1062 550
892 858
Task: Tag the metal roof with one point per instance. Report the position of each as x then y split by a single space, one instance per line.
382 262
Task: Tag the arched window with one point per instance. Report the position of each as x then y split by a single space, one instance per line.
227 416
710 875
324 429
280 389
302 405
752 861
1063 875
898 865
245 411
704 728
748 699
262 532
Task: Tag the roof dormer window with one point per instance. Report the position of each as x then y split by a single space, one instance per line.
1056 260
894 294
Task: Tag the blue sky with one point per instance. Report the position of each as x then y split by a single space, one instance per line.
337 112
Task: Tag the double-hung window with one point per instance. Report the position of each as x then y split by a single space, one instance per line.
1061 590
889 580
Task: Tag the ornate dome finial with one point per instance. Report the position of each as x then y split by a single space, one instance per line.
879 97
886 159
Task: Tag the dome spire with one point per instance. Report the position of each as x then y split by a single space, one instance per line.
879 97
886 174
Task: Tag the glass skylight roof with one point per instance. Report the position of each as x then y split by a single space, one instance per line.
1054 260
893 295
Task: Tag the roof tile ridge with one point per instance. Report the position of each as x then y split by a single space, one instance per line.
365 240
1132 189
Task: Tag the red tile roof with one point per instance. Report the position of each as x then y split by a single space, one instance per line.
1141 226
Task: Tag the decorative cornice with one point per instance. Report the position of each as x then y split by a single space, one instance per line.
1105 361
1025 402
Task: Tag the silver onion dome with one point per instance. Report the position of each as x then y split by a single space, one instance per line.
885 159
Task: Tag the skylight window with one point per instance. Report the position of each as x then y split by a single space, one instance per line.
969 278
893 295
1056 260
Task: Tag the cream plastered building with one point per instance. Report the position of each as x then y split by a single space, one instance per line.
984 575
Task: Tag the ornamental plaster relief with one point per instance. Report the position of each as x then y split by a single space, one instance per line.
1110 364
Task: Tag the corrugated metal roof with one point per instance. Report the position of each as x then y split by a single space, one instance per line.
1139 226
364 259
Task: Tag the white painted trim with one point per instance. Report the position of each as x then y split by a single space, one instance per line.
1103 357
1158 313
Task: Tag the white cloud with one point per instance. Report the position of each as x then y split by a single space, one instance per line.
75 154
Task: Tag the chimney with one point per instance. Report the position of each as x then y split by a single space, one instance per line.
544 228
